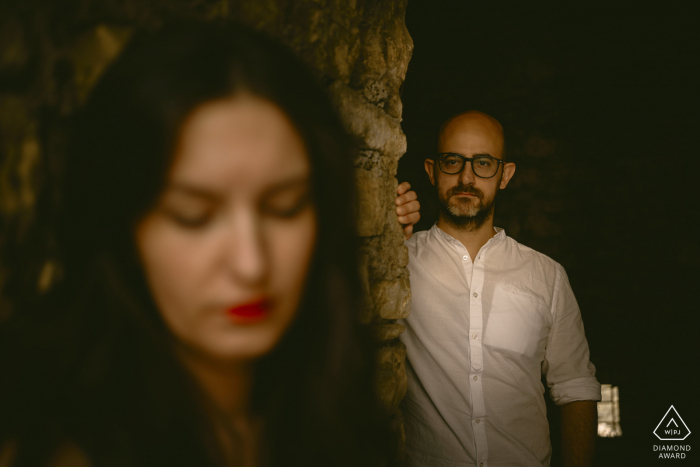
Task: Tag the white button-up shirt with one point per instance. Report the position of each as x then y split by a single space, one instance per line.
480 334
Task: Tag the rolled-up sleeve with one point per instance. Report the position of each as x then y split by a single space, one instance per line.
570 374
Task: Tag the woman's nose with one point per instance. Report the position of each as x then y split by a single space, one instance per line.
245 251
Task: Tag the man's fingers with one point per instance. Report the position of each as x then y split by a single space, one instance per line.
408 208
403 199
409 218
403 188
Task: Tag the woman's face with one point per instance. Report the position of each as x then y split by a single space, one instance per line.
227 248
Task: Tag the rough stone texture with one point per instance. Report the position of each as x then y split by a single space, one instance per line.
391 361
51 53
391 299
387 332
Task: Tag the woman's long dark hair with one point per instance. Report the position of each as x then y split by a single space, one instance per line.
91 361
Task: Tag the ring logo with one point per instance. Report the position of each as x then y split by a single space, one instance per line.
671 427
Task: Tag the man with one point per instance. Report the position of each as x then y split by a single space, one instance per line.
488 317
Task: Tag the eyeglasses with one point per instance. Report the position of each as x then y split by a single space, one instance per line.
483 166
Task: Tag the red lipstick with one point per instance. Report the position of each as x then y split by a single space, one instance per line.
248 312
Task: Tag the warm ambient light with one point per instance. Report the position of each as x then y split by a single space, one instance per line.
609 412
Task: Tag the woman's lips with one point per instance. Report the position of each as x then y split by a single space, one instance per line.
253 311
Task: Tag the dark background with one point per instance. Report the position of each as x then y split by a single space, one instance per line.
599 103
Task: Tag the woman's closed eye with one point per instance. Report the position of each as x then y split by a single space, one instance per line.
286 203
188 205
189 219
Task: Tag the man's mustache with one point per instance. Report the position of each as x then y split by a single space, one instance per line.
467 189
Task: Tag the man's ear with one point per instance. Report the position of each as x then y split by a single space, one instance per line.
508 171
430 169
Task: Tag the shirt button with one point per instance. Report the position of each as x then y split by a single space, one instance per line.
477 367
477 421
476 378
476 294
481 464
465 257
474 336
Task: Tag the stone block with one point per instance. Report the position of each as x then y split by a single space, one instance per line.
367 310
371 207
397 425
14 52
391 299
387 255
386 332
391 375
376 130
91 54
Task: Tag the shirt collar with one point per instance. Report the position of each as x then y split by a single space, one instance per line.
500 235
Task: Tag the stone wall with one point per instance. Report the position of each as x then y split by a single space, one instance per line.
51 53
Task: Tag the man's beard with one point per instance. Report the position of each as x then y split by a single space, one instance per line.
466 213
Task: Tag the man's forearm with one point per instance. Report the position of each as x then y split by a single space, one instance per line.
579 422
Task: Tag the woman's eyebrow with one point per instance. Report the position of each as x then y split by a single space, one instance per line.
288 184
193 191
203 193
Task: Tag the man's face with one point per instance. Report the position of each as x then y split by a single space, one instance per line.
467 200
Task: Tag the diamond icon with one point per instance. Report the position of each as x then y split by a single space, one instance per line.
671 427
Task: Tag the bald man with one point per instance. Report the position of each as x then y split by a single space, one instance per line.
488 317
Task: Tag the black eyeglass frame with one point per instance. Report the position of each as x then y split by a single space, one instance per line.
471 162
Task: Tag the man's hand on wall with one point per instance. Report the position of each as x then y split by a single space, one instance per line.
407 208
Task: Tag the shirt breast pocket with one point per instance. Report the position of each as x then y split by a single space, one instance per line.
517 321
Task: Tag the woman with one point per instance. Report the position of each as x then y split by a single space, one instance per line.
206 311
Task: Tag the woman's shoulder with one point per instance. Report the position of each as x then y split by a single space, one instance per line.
7 453
67 455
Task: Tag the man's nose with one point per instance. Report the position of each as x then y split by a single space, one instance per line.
466 176
245 250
